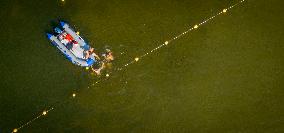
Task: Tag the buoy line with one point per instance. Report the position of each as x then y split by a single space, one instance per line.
136 59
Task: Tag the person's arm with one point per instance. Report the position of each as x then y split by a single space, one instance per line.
96 56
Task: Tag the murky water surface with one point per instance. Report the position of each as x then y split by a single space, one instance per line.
226 76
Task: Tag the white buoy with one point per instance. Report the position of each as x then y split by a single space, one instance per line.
166 42
195 26
136 59
44 113
107 75
73 95
15 130
224 10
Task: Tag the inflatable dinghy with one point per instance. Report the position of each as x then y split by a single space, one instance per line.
71 45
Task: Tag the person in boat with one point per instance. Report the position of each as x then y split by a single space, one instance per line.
69 37
69 45
67 40
74 42
62 39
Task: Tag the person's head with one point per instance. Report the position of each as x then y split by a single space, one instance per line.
109 57
91 49
107 50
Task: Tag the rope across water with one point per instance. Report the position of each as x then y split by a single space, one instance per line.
136 59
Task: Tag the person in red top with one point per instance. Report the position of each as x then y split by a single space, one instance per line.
69 37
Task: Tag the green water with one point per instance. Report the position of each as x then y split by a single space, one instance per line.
225 77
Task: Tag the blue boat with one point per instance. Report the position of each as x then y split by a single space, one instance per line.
71 45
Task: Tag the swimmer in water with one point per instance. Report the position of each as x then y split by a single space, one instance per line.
92 51
88 53
106 63
98 67
108 57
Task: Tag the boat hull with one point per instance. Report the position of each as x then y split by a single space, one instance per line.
68 54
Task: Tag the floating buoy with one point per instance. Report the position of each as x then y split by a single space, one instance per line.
107 75
87 68
44 113
224 10
15 130
166 42
73 95
136 59
77 32
195 26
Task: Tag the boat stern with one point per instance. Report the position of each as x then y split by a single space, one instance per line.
49 36
90 62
